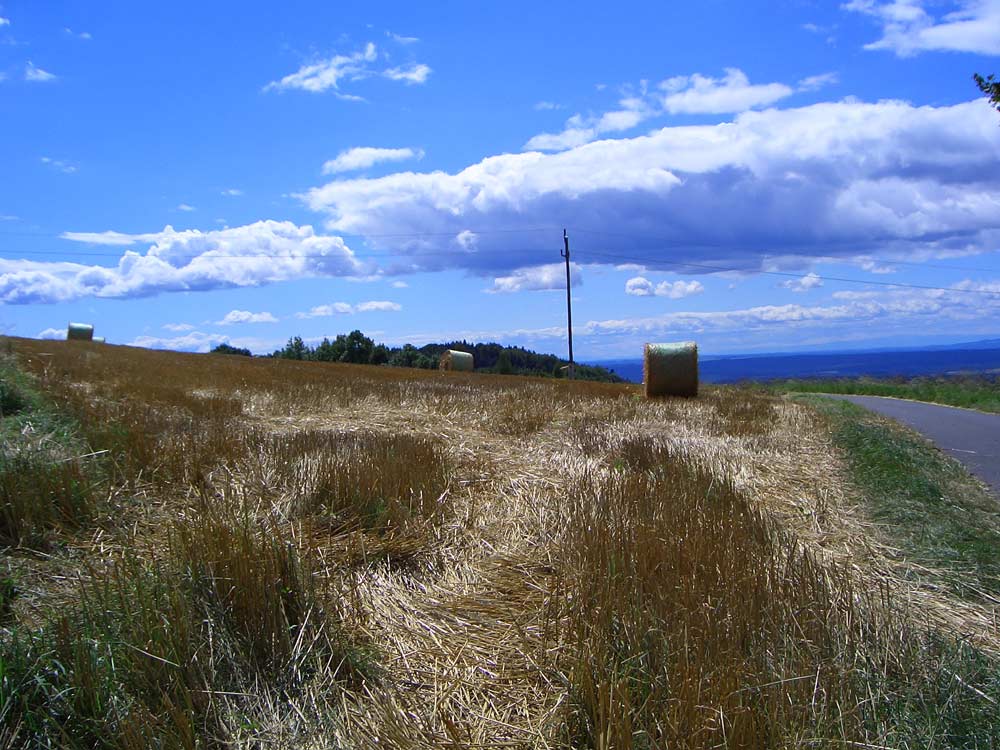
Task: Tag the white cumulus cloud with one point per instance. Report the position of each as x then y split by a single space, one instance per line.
537 278
52 333
362 157
837 179
698 94
640 286
913 26
191 260
810 281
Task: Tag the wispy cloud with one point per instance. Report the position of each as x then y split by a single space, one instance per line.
36 74
411 74
331 73
245 316
85 35
185 207
378 306
344 308
814 83
580 129
679 95
4 21
908 27
362 157
398 39
178 327
232 192
59 165
194 341
547 106
640 286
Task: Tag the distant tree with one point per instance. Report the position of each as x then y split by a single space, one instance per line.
227 349
294 349
504 367
380 355
357 348
990 87
404 357
328 351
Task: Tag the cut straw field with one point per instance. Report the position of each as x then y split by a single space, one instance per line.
213 551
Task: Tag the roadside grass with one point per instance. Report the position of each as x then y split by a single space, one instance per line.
48 483
927 504
980 392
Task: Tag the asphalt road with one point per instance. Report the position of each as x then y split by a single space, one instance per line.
971 437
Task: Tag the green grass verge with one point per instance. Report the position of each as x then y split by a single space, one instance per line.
980 392
44 486
928 505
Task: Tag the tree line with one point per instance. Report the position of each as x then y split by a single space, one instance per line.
356 348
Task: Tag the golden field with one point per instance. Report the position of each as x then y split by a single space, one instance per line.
216 551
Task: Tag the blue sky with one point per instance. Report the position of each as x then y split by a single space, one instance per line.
755 176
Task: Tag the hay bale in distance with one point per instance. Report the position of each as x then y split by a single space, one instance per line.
98 339
671 369
456 360
80 332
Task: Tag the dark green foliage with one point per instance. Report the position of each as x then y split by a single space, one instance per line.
294 349
356 348
990 87
227 349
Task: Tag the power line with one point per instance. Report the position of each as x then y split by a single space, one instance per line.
788 274
674 244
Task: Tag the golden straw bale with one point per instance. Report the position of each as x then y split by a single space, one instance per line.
671 369
456 360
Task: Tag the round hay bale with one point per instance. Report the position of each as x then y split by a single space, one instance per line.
671 369
80 332
98 339
456 360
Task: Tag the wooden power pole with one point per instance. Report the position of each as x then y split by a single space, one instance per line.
569 303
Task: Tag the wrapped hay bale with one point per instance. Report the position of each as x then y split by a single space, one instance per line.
80 332
98 339
671 369
455 360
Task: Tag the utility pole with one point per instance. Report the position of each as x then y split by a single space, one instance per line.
569 304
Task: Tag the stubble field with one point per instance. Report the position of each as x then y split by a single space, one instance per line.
212 551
